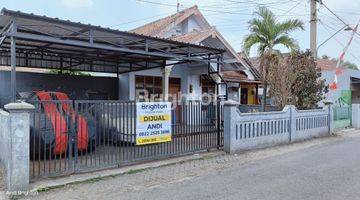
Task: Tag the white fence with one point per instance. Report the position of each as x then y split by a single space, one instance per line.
244 131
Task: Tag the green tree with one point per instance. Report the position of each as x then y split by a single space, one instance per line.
266 33
350 65
346 64
307 89
295 79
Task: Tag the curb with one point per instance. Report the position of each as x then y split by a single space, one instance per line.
54 183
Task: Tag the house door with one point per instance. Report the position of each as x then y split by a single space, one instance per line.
174 89
244 96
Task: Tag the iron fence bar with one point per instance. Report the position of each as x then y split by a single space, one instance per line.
218 123
111 139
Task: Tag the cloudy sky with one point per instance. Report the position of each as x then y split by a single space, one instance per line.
229 16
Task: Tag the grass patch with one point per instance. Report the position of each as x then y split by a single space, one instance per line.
134 171
43 189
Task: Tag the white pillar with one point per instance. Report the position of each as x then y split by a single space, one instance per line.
355 115
17 161
230 108
165 82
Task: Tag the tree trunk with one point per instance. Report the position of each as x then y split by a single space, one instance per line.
263 98
263 67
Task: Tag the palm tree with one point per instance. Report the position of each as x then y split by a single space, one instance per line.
266 33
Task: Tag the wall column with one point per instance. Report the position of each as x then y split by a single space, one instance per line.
165 81
230 108
355 118
17 144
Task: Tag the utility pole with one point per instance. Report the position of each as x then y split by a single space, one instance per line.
313 29
178 6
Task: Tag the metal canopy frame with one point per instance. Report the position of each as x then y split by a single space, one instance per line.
34 41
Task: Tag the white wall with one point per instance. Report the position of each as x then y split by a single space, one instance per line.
186 26
192 24
344 83
290 124
124 87
188 74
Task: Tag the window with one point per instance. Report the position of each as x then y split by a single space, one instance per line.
207 84
208 88
150 87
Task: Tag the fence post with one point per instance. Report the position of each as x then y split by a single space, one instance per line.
331 119
292 120
218 122
18 159
355 119
230 108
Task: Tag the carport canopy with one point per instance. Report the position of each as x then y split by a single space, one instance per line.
35 41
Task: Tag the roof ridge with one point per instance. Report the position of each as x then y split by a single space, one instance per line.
175 15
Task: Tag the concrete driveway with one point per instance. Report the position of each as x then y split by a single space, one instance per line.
326 168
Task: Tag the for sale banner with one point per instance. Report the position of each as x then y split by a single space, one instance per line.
153 122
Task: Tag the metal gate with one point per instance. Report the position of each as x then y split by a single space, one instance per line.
77 136
342 116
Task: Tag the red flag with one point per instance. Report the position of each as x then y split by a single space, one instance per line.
333 86
338 71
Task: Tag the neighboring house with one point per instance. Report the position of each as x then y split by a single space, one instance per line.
346 93
241 87
348 84
195 79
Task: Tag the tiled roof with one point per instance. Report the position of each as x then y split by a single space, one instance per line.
255 61
326 64
194 36
323 64
236 76
157 27
252 66
197 36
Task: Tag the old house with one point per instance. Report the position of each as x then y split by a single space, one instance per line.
236 78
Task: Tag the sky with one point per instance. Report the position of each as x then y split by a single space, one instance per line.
230 17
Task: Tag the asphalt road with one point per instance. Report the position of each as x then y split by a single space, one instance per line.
330 170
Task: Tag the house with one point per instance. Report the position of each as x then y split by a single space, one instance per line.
346 92
137 63
348 83
242 88
190 26
82 116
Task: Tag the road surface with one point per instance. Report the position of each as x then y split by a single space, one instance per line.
325 170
